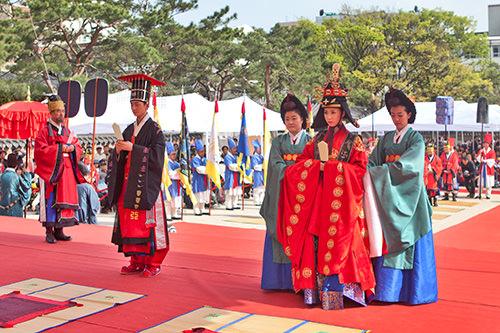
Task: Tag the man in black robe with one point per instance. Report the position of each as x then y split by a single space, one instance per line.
136 166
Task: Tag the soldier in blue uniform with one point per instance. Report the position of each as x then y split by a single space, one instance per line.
232 185
200 179
258 173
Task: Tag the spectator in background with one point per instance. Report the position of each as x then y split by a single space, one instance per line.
15 188
467 173
99 155
3 162
88 199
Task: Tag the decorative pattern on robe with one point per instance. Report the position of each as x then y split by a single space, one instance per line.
450 170
134 186
432 172
328 206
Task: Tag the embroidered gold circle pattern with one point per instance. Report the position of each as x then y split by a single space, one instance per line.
301 186
294 219
340 180
300 198
334 217
330 244
304 174
296 208
336 204
338 191
306 272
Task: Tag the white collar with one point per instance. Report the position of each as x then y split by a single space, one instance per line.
59 127
400 134
138 127
10 169
295 139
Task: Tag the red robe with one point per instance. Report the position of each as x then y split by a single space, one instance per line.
450 170
326 205
432 172
484 156
60 174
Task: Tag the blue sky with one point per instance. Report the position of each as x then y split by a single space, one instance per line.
266 13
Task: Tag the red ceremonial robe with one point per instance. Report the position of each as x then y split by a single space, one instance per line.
432 172
60 174
450 169
326 205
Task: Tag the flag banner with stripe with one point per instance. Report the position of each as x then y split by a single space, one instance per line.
267 145
213 151
184 158
244 150
165 178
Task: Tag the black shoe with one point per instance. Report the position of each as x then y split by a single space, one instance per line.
207 213
229 208
488 197
176 218
59 235
49 236
446 197
169 220
236 207
198 214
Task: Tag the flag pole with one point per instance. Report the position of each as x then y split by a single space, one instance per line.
180 158
243 178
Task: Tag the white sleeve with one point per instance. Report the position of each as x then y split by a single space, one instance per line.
233 167
201 169
258 167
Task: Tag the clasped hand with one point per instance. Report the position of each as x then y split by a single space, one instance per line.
123 145
68 149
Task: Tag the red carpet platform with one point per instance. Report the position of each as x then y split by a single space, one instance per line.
220 267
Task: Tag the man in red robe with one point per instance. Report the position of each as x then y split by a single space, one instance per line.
432 172
136 168
487 157
321 222
449 159
57 152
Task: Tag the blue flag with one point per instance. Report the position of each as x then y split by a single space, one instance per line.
244 150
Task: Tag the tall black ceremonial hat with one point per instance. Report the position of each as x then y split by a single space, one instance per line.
141 86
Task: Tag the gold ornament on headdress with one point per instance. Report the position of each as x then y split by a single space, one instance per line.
331 88
55 105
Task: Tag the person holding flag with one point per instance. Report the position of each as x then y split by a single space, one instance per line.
200 179
175 189
258 173
136 170
486 157
285 148
232 185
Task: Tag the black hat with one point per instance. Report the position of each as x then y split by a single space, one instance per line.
292 103
396 97
141 86
334 94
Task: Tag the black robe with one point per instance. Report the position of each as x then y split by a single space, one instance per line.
146 167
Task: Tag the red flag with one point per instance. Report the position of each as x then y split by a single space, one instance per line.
183 105
243 107
264 113
216 106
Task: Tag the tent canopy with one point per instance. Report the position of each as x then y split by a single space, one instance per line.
22 119
199 113
464 119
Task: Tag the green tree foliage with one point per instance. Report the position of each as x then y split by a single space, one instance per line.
425 53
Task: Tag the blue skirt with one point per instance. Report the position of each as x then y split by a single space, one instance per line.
274 276
411 286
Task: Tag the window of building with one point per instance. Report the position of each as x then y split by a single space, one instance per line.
496 52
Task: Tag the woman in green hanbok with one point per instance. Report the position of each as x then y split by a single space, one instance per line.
405 269
285 148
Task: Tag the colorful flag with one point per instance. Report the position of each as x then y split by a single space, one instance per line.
244 150
213 151
184 150
165 178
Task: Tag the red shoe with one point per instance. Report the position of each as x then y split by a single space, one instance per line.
132 269
151 271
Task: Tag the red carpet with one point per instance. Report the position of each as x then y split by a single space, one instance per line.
220 266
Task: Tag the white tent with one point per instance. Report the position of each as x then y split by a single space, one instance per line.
464 119
199 112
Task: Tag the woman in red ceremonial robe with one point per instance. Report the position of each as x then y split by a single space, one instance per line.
57 152
136 165
321 223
